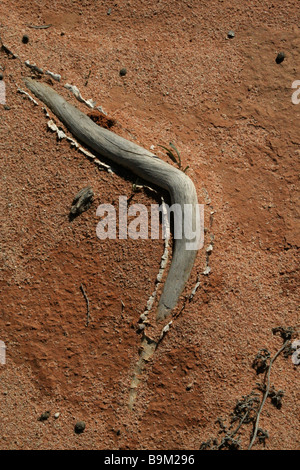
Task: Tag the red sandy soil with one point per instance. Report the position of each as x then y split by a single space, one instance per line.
226 104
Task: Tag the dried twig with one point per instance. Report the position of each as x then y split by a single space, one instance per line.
248 409
44 26
243 413
87 305
87 78
267 390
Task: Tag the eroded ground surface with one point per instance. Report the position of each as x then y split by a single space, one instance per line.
226 104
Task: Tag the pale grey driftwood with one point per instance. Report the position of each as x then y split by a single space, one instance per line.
142 163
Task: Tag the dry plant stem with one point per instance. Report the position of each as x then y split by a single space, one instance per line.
145 165
266 393
233 433
44 26
87 305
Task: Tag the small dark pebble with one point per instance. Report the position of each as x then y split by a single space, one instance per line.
123 72
230 34
25 39
6 107
1 76
280 57
44 416
79 427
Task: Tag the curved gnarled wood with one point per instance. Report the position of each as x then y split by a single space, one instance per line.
145 165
